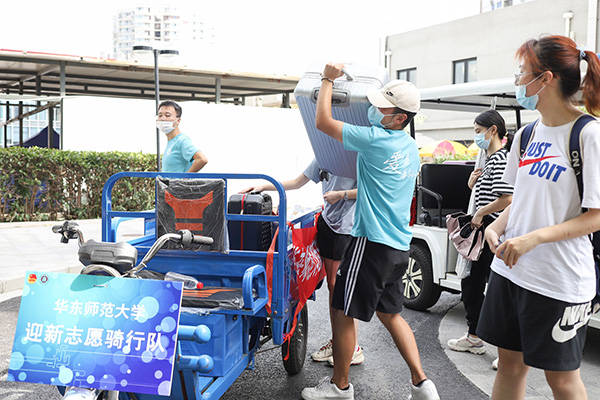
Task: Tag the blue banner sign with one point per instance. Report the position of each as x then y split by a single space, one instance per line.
97 332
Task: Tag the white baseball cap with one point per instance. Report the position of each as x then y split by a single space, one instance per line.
397 93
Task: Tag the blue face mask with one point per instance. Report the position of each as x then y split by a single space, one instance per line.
375 116
527 102
481 141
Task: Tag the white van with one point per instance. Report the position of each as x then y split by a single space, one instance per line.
442 189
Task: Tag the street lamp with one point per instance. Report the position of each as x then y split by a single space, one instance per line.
156 53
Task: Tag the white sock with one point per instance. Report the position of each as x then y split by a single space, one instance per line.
473 339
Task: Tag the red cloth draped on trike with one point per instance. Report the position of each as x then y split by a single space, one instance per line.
307 268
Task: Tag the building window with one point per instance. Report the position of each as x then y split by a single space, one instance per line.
408 74
490 5
464 70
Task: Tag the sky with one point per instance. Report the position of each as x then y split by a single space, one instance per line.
265 36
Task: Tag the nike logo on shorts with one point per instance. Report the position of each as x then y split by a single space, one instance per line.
576 317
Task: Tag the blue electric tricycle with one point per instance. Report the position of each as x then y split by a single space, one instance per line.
214 344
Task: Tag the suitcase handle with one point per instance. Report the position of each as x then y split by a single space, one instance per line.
349 76
338 97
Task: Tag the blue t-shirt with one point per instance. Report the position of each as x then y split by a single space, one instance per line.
179 154
387 167
340 215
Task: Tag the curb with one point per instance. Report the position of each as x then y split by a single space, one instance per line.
33 224
477 368
16 283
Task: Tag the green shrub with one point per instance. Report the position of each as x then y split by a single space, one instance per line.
41 184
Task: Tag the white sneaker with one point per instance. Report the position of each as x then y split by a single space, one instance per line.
495 364
324 352
77 393
327 390
357 358
426 391
466 343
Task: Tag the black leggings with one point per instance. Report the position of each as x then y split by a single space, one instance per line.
473 287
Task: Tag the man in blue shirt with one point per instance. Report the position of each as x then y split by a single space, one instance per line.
333 233
370 274
180 155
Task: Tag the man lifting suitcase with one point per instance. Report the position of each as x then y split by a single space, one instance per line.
370 275
333 233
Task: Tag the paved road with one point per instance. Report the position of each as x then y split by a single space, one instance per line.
383 375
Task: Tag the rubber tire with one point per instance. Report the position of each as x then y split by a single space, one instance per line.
429 292
297 345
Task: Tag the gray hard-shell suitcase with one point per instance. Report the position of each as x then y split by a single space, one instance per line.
349 104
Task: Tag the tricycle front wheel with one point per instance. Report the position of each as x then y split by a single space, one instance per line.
296 345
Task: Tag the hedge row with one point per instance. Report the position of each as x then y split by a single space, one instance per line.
48 184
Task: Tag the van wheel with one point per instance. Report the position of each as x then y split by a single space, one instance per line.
420 292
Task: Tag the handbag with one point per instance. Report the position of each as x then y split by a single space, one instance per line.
469 241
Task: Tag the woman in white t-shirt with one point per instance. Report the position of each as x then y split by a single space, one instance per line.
538 300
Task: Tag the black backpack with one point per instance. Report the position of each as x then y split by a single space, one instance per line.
577 165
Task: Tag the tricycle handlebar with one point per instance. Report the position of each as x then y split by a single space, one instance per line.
69 230
187 238
184 237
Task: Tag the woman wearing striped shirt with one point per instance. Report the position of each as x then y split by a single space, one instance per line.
492 195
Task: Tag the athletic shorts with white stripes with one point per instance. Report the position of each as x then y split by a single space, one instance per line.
369 279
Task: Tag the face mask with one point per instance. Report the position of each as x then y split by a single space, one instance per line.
165 127
481 141
375 116
527 102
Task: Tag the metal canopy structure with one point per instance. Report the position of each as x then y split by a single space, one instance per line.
48 74
472 96
479 96
46 77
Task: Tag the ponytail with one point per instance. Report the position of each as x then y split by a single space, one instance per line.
510 136
560 55
591 83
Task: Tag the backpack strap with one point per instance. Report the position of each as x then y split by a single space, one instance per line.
575 149
577 165
526 136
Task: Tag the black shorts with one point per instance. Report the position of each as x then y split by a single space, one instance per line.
330 243
369 279
550 333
